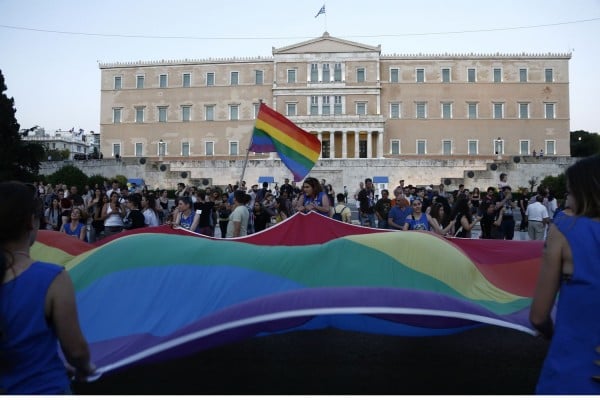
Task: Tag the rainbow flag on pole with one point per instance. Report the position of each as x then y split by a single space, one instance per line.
298 149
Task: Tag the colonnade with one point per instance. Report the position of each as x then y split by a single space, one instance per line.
351 149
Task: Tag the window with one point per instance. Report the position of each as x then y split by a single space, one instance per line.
497 75
498 110
116 147
314 105
471 75
139 82
472 110
326 73
138 150
234 111
291 76
290 109
162 80
522 74
395 147
118 83
473 147
209 113
498 146
162 148
420 75
209 148
116 115
139 114
395 110
550 147
185 149
445 75
446 110
233 148
394 75
549 111
259 77
162 114
360 75
421 146
337 105
187 80
234 78
255 108
186 113
314 73
326 106
523 110
447 147
524 147
325 149
361 108
421 110
210 79
337 72
548 75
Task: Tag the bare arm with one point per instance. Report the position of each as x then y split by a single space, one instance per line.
195 222
82 232
237 226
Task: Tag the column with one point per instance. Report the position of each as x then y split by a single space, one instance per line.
356 150
369 145
344 144
331 144
380 144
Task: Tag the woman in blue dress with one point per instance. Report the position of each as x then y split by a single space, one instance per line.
314 198
571 266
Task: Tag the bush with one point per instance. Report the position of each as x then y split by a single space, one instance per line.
121 179
70 176
97 180
556 184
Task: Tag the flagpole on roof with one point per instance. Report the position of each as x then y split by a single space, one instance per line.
247 153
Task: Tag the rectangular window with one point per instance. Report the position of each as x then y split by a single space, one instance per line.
473 147
360 75
116 115
259 77
234 78
291 76
138 150
549 111
337 105
337 72
550 147
524 147
139 114
255 108
234 111
118 83
447 110
445 75
523 110
472 109
209 148
233 148
139 82
421 110
549 75
361 108
185 149
116 147
314 73
209 113
522 74
162 114
395 147
162 148
447 147
421 146
186 112
326 106
497 75
325 149
498 146
471 75
326 73
210 79
187 80
314 105
394 75
420 75
498 110
395 110
162 80
290 109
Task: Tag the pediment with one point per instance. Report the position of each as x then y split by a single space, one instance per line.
326 44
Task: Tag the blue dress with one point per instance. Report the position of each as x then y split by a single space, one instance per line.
569 365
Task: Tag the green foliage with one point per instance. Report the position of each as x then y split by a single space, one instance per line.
69 175
97 180
584 144
532 182
57 155
122 179
556 184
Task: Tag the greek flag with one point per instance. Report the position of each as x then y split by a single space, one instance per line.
321 11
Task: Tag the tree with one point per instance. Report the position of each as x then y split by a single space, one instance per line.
69 175
556 184
584 144
19 160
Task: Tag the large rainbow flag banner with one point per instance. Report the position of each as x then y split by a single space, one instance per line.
298 149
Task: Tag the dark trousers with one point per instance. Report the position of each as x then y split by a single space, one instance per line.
507 228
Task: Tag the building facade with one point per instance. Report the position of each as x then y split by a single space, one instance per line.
80 146
360 103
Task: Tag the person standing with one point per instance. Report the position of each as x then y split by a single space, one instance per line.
382 209
366 200
570 265
238 219
537 218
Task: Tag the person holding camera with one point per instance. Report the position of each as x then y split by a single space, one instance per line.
508 208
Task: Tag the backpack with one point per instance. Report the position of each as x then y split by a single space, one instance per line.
338 215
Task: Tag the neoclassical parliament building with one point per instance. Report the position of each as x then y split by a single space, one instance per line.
361 104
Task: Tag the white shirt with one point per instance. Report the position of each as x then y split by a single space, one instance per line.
150 218
536 212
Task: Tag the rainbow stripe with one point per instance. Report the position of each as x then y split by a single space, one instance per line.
298 149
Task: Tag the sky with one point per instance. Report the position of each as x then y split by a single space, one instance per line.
50 50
